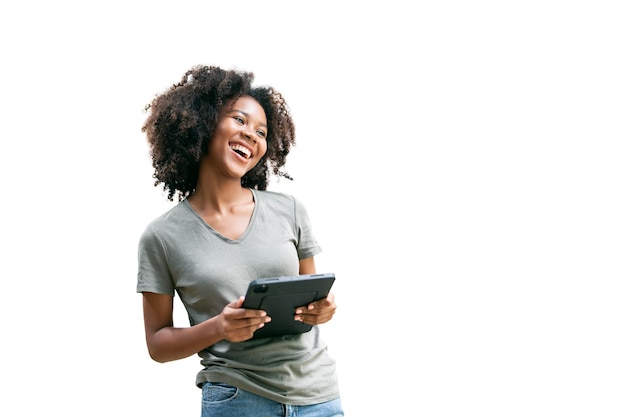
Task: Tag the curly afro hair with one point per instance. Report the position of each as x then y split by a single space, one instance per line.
181 122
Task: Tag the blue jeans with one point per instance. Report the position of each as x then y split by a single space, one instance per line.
223 400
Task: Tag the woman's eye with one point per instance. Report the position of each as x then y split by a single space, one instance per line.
261 133
238 119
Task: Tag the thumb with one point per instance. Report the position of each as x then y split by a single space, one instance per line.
237 303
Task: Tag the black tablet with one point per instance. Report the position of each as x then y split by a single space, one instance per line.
280 296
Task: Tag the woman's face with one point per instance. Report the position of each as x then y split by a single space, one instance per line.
240 138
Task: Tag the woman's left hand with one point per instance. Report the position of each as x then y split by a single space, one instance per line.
317 312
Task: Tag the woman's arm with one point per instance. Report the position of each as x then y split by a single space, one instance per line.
167 343
307 266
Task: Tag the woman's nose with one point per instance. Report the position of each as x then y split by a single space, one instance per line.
249 135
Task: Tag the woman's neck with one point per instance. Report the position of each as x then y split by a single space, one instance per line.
219 196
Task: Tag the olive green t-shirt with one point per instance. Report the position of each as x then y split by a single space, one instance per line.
180 253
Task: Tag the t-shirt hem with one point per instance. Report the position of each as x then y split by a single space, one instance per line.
299 401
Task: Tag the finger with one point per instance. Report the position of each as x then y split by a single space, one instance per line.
254 314
236 303
315 316
325 302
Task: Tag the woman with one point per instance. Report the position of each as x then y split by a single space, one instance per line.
215 140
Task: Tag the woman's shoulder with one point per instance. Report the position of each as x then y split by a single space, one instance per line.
280 202
170 218
274 197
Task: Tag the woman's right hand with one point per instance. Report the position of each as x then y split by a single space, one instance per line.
238 324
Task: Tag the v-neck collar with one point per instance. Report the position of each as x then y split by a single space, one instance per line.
245 233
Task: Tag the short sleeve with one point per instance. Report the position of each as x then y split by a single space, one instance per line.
153 272
307 244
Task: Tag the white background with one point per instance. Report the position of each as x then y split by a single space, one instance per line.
462 162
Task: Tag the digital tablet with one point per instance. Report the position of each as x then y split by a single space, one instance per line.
280 296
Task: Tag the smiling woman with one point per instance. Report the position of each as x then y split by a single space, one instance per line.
241 135
215 140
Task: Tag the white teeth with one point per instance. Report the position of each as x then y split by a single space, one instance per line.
241 149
